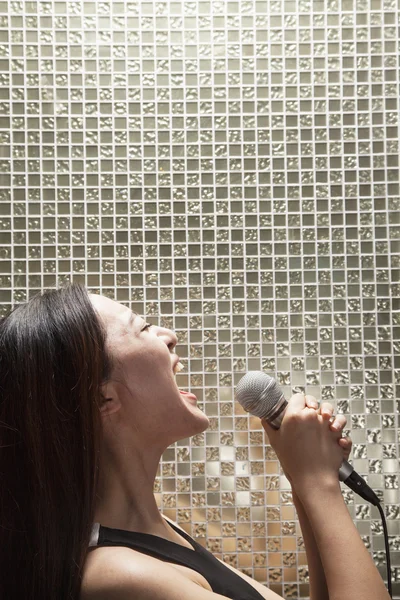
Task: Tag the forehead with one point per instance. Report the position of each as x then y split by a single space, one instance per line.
110 310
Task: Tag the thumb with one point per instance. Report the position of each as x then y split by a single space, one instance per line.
296 402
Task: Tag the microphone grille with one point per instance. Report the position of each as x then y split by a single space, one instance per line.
258 393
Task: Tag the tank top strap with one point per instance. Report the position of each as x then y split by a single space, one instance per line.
151 544
222 580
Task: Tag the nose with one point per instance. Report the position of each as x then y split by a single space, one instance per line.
172 340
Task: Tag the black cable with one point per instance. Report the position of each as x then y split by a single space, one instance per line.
385 531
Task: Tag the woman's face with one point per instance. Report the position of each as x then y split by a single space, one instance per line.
143 388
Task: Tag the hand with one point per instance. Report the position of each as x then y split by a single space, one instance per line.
296 447
336 424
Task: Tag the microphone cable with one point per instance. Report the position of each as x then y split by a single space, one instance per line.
359 486
387 549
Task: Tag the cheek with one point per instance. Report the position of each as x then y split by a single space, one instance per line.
148 375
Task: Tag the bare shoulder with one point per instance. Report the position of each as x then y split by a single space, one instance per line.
124 574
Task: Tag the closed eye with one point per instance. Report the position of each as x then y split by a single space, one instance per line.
146 326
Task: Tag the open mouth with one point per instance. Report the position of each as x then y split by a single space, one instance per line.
177 368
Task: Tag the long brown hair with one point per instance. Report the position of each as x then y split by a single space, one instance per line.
53 360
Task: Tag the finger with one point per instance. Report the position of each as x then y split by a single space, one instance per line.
297 402
338 423
346 445
326 410
311 402
345 442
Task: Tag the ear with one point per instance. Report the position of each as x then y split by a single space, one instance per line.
109 402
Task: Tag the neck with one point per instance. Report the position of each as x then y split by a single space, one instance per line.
125 497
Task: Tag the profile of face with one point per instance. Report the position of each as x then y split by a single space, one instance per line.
143 398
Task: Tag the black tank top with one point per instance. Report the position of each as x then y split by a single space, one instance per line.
221 579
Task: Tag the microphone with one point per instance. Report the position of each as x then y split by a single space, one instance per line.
259 394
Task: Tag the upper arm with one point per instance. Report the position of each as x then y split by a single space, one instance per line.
144 578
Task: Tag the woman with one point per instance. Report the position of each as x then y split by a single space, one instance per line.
89 403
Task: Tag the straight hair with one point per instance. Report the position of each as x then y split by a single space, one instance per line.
53 361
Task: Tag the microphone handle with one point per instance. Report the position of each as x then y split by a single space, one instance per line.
346 472
356 483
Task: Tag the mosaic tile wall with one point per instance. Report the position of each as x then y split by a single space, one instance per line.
231 170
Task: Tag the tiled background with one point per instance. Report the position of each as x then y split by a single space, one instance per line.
229 169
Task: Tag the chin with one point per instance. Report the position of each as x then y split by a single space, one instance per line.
194 426
204 423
